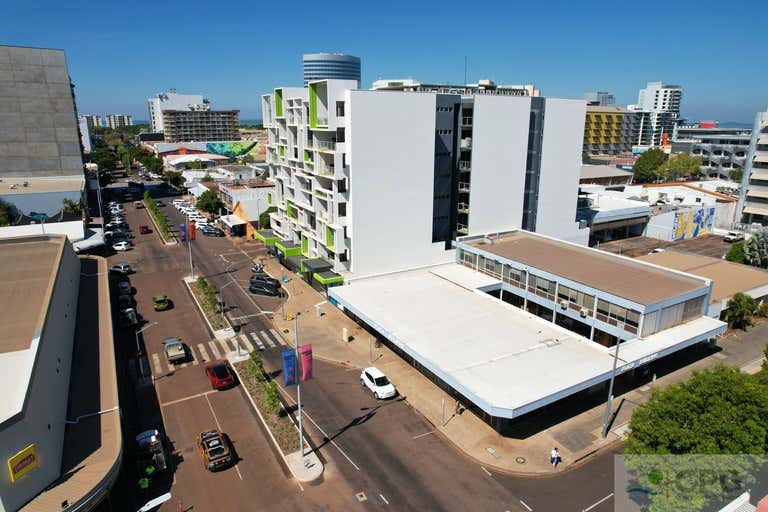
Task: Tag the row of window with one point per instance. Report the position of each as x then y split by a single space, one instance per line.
445 109
444 132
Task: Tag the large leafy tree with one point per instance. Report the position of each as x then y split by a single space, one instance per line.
683 430
648 166
736 253
756 249
105 159
6 215
741 307
209 202
174 178
682 166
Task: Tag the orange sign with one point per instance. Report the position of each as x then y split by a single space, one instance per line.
23 462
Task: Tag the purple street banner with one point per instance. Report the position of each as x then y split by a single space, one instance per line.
289 367
305 352
183 231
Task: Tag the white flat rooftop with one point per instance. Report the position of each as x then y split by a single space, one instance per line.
506 361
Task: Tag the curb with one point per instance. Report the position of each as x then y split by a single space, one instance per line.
221 334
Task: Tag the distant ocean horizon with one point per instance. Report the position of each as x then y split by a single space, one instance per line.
242 121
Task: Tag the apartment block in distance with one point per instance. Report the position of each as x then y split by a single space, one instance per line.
610 130
722 150
600 98
173 101
355 168
92 120
753 199
118 120
201 125
660 105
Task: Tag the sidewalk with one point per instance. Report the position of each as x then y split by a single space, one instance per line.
576 437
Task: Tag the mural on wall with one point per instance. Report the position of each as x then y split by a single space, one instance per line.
693 223
234 150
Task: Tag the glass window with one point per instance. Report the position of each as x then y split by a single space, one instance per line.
603 307
633 318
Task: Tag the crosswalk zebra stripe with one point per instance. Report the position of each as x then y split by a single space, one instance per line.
203 352
278 337
244 339
256 340
214 349
156 364
267 339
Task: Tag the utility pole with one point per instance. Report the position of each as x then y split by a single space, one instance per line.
606 419
298 380
189 246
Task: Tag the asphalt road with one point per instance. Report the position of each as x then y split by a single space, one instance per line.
386 450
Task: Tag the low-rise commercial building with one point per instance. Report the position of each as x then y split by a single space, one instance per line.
610 215
722 150
542 318
259 191
609 176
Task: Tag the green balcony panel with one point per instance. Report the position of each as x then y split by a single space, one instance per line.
278 103
328 278
330 237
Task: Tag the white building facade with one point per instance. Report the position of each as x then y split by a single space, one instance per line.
753 199
118 120
661 103
173 101
85 133
92 120
357 169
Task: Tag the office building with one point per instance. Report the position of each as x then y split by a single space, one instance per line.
85 133
484 86
491 325
38 132
173 101
660 103
353 168
118 120
610 130
722 150
201 125
92 120
334 66
600 98
753 196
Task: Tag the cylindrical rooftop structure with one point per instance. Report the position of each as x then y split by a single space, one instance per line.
320 66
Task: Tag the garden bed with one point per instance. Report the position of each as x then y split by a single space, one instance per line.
205 294
158 218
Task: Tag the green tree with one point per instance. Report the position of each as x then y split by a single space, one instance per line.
647 166
273 399
756 249
264 219
73 207
174 178
209 202
741 307
736 253
105 159
206 178
195 164
737 174
720 411
6 214
246 159
106 178
682 166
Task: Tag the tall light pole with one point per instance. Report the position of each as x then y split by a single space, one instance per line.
138 347
189 246
298 381
610 391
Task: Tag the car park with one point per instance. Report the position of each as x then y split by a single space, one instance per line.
263 289
373 379
214 449
121 268
219 374
124 245
160 302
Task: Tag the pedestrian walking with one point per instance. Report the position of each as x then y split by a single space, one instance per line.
554 458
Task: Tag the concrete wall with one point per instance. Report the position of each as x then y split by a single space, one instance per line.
44 417
499 150
391 145
561 169
38 128
662 226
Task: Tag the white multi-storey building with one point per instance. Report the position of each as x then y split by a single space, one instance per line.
173 101
118 120
357 170
85 133
660 103
753 198
92 120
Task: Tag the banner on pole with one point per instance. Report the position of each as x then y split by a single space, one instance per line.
192 230
289 367
183 231
305 352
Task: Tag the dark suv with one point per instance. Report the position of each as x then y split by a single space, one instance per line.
265 279
263 289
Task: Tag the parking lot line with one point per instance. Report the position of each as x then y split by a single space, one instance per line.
203 352
257 340
278 337
156 364
214 349
267 339
246 343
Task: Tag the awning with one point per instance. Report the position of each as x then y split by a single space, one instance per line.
328 277
288 248
231 220
757 193
754 210
759 176
267 236
293 262
315 265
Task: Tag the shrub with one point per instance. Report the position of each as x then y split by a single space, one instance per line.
736 253
273 400
762 310
256 366
741 307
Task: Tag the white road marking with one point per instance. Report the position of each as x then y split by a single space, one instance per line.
247 343
214 349
257 340
598 503
228 345
424 434
265 337
218 425
156 364
383 499
192 355
203 352
526 506
191 397
486 471
278 337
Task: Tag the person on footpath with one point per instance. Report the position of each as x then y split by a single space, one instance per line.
554 458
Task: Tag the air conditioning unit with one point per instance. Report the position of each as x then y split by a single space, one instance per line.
564 304
584 312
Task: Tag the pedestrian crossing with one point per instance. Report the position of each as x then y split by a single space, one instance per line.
201 353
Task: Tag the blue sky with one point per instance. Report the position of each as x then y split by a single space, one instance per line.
120 53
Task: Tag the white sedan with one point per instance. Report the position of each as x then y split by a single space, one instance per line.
122 246
377 383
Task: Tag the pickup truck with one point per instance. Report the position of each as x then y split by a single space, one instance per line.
174 350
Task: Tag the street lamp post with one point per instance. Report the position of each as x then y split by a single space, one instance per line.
138 347
189 246
610 391
298 380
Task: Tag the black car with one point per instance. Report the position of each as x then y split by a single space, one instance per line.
263 289
211 231
264 278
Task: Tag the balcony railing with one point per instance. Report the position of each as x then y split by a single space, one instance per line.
324 144
463 207
465 165
464 186
466 143
466 121
462 228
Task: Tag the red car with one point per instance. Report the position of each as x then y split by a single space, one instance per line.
144 230
219 374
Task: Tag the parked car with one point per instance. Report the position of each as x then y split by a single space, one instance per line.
128 317
125 245
734 236
115 225
121 268
160 302
138 204
266 279
174 350
214 449
124 287
151 450
219 374
263 289
126 301
211 231
373 379
144 229
159 203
